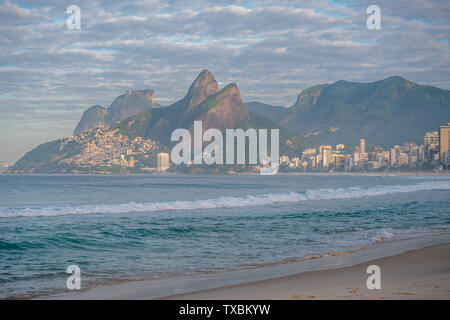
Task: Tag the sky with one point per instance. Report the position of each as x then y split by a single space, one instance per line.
271 48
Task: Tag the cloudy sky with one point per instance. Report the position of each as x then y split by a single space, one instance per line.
271 48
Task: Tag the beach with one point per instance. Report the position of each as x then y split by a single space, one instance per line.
150 237
417 274
413 268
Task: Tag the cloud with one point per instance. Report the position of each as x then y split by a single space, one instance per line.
272 49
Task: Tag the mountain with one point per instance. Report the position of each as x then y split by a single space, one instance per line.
123 107
220 109
116 146
385 112
265 110
203 101
94 117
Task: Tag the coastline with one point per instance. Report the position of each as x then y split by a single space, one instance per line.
417 274
411 268
337 173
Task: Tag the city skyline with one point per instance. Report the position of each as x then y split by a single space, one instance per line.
433 153
111 148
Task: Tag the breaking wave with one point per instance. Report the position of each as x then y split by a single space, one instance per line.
224 202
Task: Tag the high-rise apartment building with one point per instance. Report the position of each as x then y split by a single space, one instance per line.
431 145
327 156
402 159
163 162
339 161
444 142
362 146
431 140
393 157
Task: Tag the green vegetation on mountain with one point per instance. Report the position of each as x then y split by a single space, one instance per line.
385 112
290 143
43 157
265 110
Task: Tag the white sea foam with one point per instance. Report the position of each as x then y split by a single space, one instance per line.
225 202
383 234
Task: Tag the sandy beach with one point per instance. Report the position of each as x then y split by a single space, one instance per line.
413 268
417 274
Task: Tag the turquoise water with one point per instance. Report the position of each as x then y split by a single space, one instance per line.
153 226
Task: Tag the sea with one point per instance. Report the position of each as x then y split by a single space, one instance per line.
134 227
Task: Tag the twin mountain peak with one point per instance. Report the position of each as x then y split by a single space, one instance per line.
202 96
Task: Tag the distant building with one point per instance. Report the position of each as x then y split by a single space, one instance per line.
296 161
378 149
431 146
362 146
393 156
339 161
340 146
308 152
284 160
4 166
327 156
314 162
383 158
431 140
163 162
131 162
414 155
421 153
122 158
403 159
323 147
444 142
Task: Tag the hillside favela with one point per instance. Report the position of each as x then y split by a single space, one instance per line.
132 135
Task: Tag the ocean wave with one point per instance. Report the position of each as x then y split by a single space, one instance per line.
383 234
224 202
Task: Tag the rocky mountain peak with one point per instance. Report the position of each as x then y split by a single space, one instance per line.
204 86
124 106
94 117
130 104
224 109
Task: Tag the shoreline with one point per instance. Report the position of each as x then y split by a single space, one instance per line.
232 284
416 274
337 173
